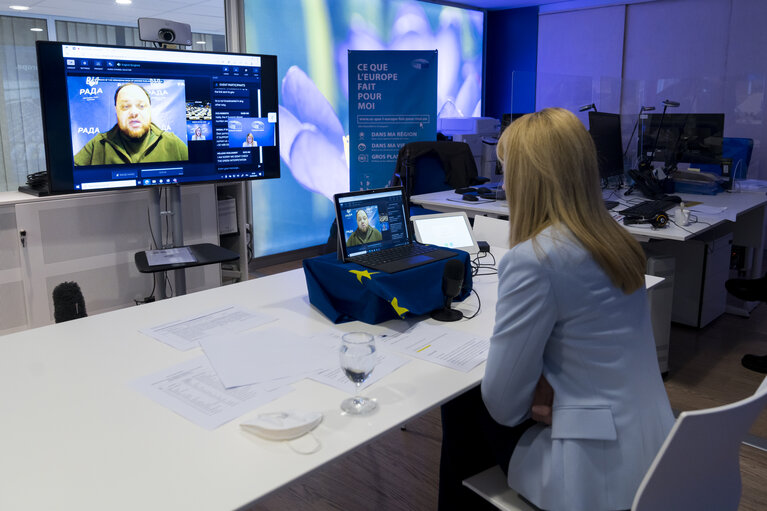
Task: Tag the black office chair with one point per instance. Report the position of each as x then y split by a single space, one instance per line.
434 166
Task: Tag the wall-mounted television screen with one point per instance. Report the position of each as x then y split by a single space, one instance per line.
117 117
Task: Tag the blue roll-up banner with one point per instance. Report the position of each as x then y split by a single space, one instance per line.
392 101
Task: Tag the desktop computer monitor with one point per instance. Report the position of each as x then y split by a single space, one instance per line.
118 117
687 138
605 130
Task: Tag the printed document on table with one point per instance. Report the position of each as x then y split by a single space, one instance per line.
334 376
170 256
265 355
193 391
185 334
440 345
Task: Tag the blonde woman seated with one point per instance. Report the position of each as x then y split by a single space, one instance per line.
572 383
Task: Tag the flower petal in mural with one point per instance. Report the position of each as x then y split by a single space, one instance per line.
318 165
311 136
289 128
305 101
466 99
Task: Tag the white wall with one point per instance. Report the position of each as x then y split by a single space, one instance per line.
707 54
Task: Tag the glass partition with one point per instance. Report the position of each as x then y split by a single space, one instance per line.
21 140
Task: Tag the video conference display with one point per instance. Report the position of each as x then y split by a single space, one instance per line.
117 117
372 222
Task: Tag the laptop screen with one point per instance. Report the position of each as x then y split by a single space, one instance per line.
371 220
451 230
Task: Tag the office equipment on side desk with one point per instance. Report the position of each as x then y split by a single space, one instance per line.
373 231
449 230
688 138
605 130
610 204
496 193
649 208
469 197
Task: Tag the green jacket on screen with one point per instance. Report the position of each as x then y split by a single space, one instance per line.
107 148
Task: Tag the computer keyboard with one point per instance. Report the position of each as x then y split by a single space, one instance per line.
393 254
648 209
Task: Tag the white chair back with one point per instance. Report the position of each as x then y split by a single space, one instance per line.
492 230
698 466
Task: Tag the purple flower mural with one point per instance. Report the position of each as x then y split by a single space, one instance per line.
311 136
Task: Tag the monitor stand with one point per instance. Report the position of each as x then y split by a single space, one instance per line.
199 254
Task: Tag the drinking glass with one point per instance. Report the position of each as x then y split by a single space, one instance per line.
358 357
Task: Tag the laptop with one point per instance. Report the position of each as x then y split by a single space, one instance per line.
450 230
374 232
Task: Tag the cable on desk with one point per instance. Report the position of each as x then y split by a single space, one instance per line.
479 305
477 265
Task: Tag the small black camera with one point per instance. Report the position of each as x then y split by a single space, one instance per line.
166 35
156 30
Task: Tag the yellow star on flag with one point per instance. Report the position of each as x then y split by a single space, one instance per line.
365 273
399 310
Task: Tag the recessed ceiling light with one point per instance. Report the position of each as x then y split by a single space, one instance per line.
123 2
19 7
199 42
36 29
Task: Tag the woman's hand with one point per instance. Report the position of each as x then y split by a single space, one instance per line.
543 399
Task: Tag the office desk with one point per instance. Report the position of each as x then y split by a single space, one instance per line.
738 204
75 436
749 209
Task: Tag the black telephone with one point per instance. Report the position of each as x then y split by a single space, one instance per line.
647 183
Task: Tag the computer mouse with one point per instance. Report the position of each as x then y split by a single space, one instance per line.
470 198
673 198
482 189
467 189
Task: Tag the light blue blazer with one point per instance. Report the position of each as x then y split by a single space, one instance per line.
559 315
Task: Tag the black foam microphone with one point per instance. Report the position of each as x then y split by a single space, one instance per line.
68 302
668 102
452 281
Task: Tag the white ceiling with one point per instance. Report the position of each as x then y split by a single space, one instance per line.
203 15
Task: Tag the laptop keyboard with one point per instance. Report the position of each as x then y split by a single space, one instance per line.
393 254
648 208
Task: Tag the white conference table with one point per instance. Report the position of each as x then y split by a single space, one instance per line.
74 435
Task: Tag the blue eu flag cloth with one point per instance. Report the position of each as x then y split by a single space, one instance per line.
348 292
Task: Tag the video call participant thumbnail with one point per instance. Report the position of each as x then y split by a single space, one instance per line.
134 138
249 142
365 233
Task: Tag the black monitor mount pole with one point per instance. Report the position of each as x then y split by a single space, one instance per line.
642 110
646 161
643 176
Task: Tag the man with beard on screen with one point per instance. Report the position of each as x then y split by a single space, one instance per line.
134 138
365 233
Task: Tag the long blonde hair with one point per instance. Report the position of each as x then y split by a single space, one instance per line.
552 179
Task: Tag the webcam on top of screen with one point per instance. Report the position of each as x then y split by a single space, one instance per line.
155 30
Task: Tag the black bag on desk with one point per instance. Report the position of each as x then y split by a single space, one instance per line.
348 292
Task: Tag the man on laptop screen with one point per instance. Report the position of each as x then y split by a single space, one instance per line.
374 232
365 232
